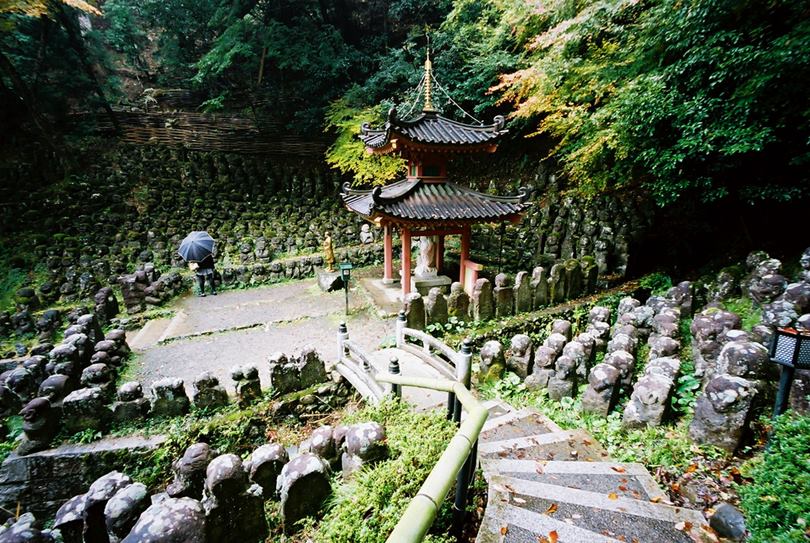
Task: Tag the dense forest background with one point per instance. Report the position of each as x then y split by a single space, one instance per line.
685 100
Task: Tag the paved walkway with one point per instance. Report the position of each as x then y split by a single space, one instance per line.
245 326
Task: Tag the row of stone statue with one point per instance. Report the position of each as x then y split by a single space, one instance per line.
218 497
564 281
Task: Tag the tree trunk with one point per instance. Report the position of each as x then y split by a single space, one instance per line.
77 43
261 67
19 87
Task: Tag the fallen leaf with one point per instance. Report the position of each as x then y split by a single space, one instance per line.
656 499
618 469
518 500
540 467
504 530
683 526
551 509
692 468
613 496
623 488
552 536
586 441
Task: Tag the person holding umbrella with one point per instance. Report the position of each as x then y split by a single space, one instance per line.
198 250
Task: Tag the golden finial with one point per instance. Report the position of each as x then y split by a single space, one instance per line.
428 107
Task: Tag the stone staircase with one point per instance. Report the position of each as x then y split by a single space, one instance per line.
547 485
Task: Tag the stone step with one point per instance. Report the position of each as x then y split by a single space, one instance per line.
507 523
149 336
626 519
568 445
624 479
516 424
497 408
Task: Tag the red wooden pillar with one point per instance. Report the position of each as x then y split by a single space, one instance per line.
405 234
440 254
388 250
465 252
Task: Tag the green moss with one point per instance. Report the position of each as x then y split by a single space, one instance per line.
775 503
747 311
366 509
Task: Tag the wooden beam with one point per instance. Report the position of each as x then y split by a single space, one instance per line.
405 234
388 250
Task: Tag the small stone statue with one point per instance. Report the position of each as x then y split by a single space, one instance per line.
39 426
426 260
328 252
366 236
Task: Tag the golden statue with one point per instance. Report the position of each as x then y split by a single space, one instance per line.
328 253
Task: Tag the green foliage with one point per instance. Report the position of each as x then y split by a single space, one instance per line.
775 503
14 428
695 109
507 387
744 307
687 385
657 282
348 154
453 326
367 508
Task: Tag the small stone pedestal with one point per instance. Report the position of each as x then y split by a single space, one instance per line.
424 284
329 281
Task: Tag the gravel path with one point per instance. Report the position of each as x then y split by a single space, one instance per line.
243 327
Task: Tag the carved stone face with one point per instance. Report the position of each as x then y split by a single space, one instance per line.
35 414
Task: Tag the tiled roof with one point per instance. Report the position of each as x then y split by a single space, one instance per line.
432 128
418 200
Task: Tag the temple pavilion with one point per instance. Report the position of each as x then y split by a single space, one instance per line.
426 204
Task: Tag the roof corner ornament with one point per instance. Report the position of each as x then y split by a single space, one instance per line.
376 195
365 128
523 192
500 122
392 115
346 187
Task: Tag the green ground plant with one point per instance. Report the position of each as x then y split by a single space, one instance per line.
775 502
366 508
747 311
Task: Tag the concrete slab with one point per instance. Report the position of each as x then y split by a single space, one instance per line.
616 516
570 445
411 366
516 424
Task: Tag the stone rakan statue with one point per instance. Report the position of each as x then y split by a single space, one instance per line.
366 235
427 257
328 252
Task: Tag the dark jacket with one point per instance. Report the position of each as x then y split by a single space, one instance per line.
206 263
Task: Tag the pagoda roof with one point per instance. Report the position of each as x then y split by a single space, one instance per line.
420 201
429 129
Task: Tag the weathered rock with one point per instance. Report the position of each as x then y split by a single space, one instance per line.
264 467
621 342
563 327
365 444
798 294
539 284
170 521
304 487
564 381
123 509
311 368
55 388
523 292
743 359
189 472
649 402
504 296
131 405
556 342
169 398
436 310
85 409
207 393
626 305
458 303
100 376
556 283
248 387
26 530
96 499
575 351
284 374
728 522
483 306
69 519
779 314
707 328
662 346
492 359
603 390
721 412
40 424
415 311
624 362
231 509
519 356
599 314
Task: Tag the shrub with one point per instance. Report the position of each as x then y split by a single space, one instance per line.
776 503
657 282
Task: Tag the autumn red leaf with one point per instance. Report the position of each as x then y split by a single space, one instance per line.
618 469
613 496
551 509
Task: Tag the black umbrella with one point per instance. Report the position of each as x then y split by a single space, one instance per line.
196 246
